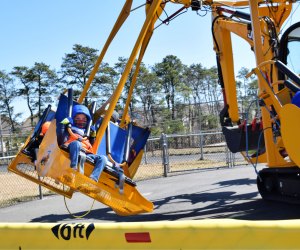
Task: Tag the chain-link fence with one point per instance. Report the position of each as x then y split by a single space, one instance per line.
15 189
11 142
162 156
174 153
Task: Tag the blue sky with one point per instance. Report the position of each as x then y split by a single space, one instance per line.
43 31
36 31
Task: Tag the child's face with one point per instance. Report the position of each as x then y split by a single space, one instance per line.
80 121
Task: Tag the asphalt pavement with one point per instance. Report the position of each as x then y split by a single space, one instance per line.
195 195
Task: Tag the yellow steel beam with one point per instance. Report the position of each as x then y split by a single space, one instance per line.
139 61
121 19
273 157
203 234
117 93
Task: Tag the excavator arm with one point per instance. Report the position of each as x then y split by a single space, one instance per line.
274 138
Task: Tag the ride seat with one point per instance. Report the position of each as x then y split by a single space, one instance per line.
109 168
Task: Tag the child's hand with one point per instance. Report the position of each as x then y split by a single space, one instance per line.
67 121
93 131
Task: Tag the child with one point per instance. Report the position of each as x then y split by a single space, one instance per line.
78 140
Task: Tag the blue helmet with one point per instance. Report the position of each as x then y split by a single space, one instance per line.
296 99
81 109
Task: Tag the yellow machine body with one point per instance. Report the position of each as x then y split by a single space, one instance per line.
260 28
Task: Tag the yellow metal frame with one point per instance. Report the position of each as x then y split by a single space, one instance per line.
132 202
106 191
213 234
259 42
223 29
54 163
151 15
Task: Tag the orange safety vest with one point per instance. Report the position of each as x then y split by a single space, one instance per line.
85 143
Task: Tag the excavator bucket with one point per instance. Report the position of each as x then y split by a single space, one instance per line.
52 169
290 124
53 162
238 140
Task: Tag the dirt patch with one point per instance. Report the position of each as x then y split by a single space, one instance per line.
17 189
189 151
147 171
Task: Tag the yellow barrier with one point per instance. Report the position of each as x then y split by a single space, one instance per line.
204 234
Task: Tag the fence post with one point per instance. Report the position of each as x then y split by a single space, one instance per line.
201 146
145 154
40 189
39 178
230 159
165 155
227 157
1 138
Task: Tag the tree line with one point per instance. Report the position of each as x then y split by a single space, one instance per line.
169 96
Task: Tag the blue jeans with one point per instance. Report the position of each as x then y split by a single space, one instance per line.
99 160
